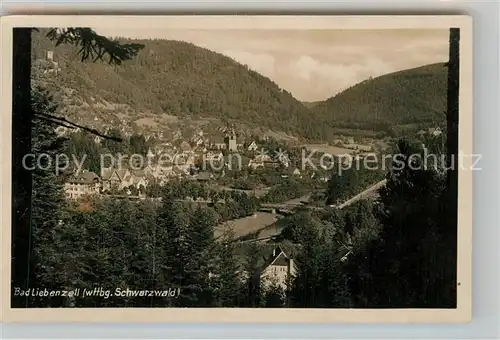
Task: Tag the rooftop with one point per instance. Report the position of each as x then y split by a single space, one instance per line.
85 177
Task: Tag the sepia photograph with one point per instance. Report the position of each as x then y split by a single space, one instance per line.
217 164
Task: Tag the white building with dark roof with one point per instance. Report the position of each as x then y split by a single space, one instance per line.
83 184
278 269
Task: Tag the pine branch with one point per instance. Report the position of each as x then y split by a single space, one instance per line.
64 122
54 122
93 46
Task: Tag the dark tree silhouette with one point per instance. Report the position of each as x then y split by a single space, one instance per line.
92 46
450 214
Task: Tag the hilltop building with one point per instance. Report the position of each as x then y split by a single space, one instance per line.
53 65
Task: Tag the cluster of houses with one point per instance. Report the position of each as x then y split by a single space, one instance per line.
125 179
166 162
435 132
198 159
88 183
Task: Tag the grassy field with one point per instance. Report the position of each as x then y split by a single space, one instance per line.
329 149
247 225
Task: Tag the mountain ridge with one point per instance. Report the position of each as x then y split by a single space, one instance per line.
413 96
173 83
176 79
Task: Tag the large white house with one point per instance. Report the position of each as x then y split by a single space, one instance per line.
82 184
279 268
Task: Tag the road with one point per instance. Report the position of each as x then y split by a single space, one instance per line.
362 195
293 203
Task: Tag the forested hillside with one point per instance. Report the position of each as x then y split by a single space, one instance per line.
414 96
178 79
398 251
181 79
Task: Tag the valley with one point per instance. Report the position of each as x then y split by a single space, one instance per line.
192 170
173 87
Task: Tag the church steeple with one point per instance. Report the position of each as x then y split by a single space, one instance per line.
231 139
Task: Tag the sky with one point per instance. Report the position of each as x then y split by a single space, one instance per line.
313 64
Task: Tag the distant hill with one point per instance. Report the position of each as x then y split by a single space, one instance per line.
413 96
176 79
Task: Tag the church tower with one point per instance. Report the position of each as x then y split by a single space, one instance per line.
231 141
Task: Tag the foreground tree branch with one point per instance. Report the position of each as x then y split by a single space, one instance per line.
93 46
66 123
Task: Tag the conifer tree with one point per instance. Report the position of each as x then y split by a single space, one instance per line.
138 145
113 146
82 146
306 285
366 224
274 294
394 270
226 281
175 220
332 291
201 232
252 290
93 46
52 237
336 186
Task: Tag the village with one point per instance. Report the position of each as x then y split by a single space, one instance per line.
173 163
207 161
199 158
202 160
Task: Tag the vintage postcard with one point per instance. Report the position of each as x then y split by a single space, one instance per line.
263 169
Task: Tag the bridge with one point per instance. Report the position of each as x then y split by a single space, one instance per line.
300 202
367 193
